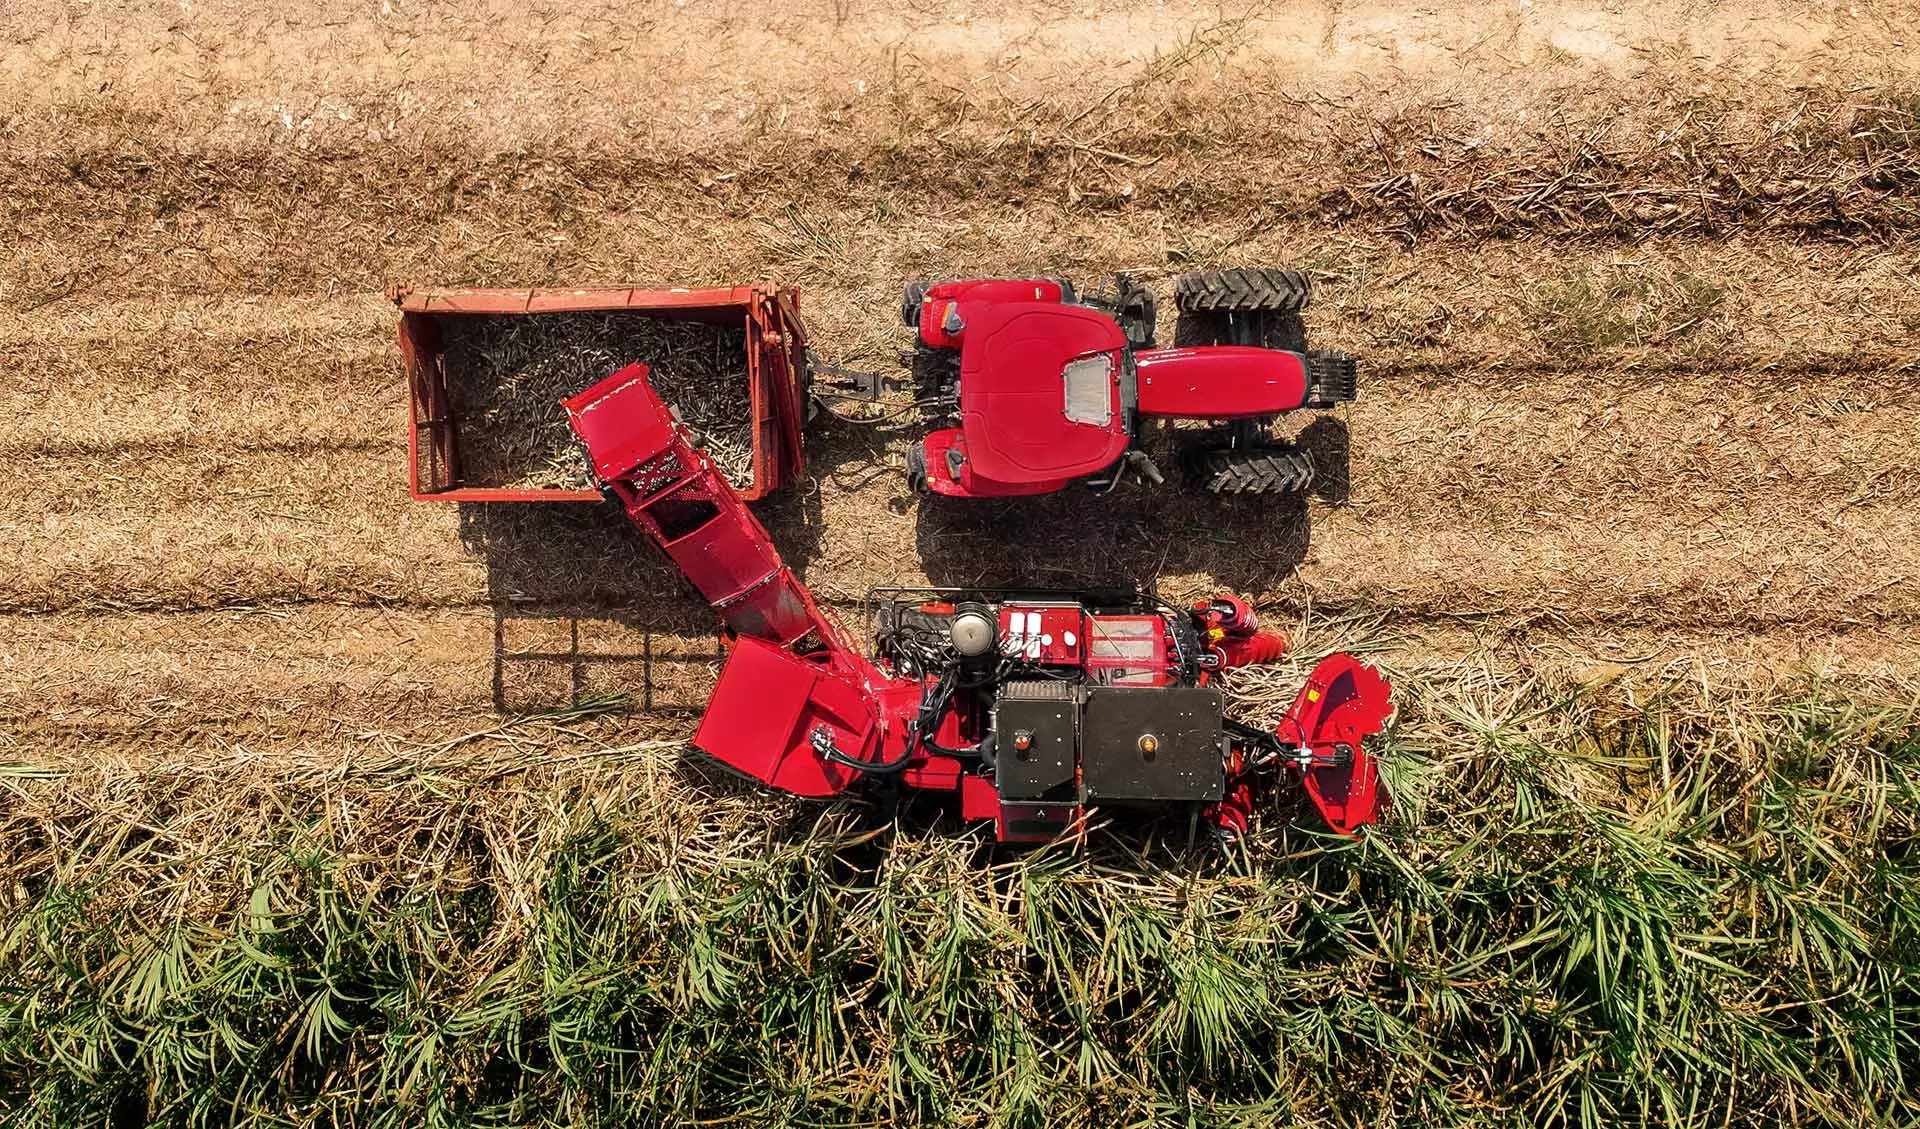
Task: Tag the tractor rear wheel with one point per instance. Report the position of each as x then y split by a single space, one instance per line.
1249 288
1254 470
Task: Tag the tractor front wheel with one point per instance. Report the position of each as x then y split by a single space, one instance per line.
917 470
1258 307
1243 290
1254 470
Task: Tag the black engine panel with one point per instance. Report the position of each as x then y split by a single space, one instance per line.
1045 715
1187 758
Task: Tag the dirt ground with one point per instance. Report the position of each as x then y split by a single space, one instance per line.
1633 287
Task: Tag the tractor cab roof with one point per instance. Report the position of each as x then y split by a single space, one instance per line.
1045 391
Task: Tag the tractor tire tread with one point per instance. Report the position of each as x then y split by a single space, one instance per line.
1244 288
911 296
1201 328
1263 329
1255 470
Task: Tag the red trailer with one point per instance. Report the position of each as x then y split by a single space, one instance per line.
773 365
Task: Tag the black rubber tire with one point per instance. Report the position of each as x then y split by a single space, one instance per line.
1273 330
1137 317
1201 328
1245 289
1254 470
917 469
1263 329
912 296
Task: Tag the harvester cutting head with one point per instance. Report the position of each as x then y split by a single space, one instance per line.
1035 707
1038 707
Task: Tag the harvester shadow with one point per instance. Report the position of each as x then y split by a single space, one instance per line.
870 824
587 610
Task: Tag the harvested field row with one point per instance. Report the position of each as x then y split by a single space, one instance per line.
330 669
365 409
1196 118
315 682
240 404
532 226
234 392
1662 304
507 63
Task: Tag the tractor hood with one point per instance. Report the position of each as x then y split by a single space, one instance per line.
1045 393
1220 382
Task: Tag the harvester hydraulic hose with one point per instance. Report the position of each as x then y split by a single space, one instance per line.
918 737
1260 739
824 746
935 708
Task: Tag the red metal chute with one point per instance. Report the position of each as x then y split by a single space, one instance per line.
767 710
646 462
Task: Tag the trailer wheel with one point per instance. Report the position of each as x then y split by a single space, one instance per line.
912 296
1254 470
1244 289
917 470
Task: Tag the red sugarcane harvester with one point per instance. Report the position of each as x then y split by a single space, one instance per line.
1034 707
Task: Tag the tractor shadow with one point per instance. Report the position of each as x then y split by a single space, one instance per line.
1134 535
843 457
585 608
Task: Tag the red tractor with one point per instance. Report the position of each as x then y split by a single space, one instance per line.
1031 386
1034 707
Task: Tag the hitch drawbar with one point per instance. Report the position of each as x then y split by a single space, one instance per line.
1035 707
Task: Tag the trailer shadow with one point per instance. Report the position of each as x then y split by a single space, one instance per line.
585 608
1135 535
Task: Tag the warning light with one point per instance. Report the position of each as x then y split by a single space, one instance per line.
1023 741
1149 743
